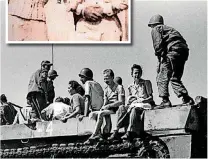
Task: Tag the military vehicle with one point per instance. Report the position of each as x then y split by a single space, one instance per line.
176 132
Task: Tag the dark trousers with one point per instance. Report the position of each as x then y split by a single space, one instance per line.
132 121
171 70
38 103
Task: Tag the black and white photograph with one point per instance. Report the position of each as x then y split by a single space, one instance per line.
143 99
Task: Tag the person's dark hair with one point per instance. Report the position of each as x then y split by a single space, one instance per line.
59 99
80 90
118 80
109 72
3 98
135 66
75 85
66 101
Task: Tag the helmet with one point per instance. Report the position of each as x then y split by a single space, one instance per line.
86 72
52 73
3 98
46 63
118 80
156 19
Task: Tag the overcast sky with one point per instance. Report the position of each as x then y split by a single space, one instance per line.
18 62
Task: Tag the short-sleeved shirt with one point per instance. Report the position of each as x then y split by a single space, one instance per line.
112 94
77 101
56 109
96 93
142 90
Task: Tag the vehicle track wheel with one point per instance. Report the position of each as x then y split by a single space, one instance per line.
152 147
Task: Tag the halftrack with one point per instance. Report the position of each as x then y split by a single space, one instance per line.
176 132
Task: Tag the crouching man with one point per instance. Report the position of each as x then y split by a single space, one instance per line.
56 110
131 115
114 97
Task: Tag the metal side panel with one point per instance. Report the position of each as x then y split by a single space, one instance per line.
87 126
20 131
179 146
56 128
179 117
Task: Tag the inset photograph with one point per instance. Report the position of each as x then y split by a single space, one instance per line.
68 21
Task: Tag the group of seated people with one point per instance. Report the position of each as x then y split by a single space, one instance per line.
92 101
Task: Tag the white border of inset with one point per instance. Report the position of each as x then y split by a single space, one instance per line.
73 42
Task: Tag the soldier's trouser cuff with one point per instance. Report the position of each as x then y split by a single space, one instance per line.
178 87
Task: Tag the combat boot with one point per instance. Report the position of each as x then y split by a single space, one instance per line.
187 100
129 136
164 104
114 136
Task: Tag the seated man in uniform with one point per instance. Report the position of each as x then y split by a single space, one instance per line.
114 97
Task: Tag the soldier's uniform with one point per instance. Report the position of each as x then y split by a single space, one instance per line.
108 28
171 46
52 74
36 96
172 51
51 92
26 20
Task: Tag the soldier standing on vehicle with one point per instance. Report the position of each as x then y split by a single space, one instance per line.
172 52
99 20
37 95
93 92
52 74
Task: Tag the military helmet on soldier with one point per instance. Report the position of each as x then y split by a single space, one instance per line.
86 72
156 19
3 98
52 73
46 63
